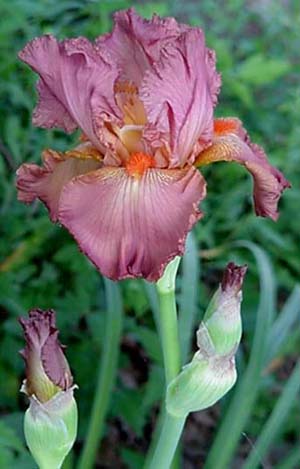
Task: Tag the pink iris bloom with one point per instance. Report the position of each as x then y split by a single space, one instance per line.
143 97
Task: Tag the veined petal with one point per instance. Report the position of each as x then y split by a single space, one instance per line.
76 84
232 143
132 227
177 96
46 183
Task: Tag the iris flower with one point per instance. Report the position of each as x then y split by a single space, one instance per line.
143 97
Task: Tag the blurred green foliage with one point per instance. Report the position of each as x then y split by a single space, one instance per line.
258 52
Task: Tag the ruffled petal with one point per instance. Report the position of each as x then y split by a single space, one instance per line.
46 365
136 43
215 80
232 143
46 182
132 227
177 96
76 84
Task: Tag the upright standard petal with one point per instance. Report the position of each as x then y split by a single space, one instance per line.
46 183
76 84
232 143
132 226
177 96
136 43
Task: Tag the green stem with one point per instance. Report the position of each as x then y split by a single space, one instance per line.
168 441
168 332
107 375
169 335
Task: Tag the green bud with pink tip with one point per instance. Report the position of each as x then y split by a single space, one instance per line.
211 373
222 319
50 423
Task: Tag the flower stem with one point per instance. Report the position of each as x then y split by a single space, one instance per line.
169 335
167 321
168 441
168 332
107 374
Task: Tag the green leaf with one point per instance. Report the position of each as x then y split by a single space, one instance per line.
150 342
9 439
261 70
283 326
188 297
275 423
133 459
243 400
292 461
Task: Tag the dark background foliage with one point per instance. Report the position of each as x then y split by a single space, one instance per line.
257 44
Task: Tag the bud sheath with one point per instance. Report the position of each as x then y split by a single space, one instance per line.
200 384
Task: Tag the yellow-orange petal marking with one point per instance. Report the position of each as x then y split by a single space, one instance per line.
139 163
127 98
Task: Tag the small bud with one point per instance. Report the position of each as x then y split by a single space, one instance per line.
200 384
50 423
222 320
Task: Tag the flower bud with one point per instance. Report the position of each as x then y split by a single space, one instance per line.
211 373
222 320
200 384
50 423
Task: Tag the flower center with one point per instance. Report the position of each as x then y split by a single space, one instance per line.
138 164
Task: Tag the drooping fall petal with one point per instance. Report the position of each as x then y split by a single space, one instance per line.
47 370
231 143
177 96
46 183
132 227
76 84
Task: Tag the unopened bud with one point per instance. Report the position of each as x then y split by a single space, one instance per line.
211 373
50 423
200 384
222 320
